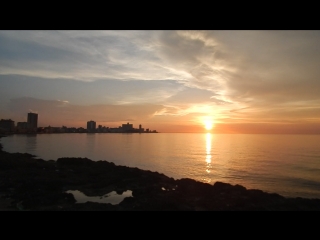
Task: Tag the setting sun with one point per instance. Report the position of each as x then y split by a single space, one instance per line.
208 124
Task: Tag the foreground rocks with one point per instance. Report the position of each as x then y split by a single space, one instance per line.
33 184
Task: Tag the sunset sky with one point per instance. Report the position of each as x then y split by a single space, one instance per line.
170 81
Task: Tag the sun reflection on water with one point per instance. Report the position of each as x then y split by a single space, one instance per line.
208 155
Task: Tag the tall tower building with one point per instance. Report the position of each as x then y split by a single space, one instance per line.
91 126
32 121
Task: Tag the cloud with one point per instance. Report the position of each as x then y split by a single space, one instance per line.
249 76
125 55
82 55
272 63
88 93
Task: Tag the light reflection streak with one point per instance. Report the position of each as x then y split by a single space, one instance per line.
208 155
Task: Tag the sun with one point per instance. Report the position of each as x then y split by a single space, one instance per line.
208 124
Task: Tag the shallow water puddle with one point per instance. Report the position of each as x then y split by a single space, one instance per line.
111 197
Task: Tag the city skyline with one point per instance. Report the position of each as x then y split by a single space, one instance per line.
8 126
173 81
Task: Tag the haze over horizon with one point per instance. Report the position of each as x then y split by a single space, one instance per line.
241 81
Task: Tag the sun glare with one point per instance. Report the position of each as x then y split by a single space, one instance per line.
208 124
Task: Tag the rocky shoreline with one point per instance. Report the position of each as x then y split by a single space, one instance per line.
30 184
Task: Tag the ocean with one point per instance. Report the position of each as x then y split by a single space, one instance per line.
285 164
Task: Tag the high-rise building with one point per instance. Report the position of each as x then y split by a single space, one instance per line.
32 121
91 126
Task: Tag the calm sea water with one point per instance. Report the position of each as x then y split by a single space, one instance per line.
285 164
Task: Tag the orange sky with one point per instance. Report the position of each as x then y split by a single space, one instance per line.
169 81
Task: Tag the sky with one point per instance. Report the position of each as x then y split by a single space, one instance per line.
237 81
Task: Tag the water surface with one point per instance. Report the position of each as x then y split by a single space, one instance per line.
285 164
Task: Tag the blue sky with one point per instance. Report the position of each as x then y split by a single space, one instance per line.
165 80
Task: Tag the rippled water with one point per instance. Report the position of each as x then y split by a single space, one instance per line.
285 164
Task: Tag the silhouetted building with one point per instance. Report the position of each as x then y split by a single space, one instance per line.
91 126
22 125
6 125
81 130
32 122
141 130
127 127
